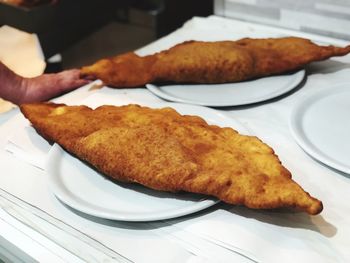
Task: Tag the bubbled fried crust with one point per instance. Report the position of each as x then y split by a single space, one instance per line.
211 62
163 150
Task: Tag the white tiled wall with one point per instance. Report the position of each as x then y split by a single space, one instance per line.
323 17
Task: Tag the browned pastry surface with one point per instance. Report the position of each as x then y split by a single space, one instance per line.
211 62
163 150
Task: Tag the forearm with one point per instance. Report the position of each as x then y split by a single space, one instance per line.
12 87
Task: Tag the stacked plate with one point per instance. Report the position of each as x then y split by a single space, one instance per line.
321 126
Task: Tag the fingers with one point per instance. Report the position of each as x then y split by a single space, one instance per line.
48 86
81 82
70 79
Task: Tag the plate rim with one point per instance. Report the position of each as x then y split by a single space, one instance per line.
67 199
297 130
299 77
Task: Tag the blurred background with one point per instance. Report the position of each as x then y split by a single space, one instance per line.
82 32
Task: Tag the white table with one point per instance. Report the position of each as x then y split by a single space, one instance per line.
219 234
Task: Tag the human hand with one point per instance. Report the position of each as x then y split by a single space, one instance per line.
47 86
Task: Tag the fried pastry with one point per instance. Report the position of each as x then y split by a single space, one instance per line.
166 151
211 62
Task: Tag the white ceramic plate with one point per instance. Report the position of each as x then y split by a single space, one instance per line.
321 126
229 94
84 189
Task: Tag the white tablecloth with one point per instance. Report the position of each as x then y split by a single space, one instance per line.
223 233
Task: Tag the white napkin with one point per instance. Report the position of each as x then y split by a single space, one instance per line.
21 52
29 147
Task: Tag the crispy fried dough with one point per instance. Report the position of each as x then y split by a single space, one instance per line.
163 150
211 62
